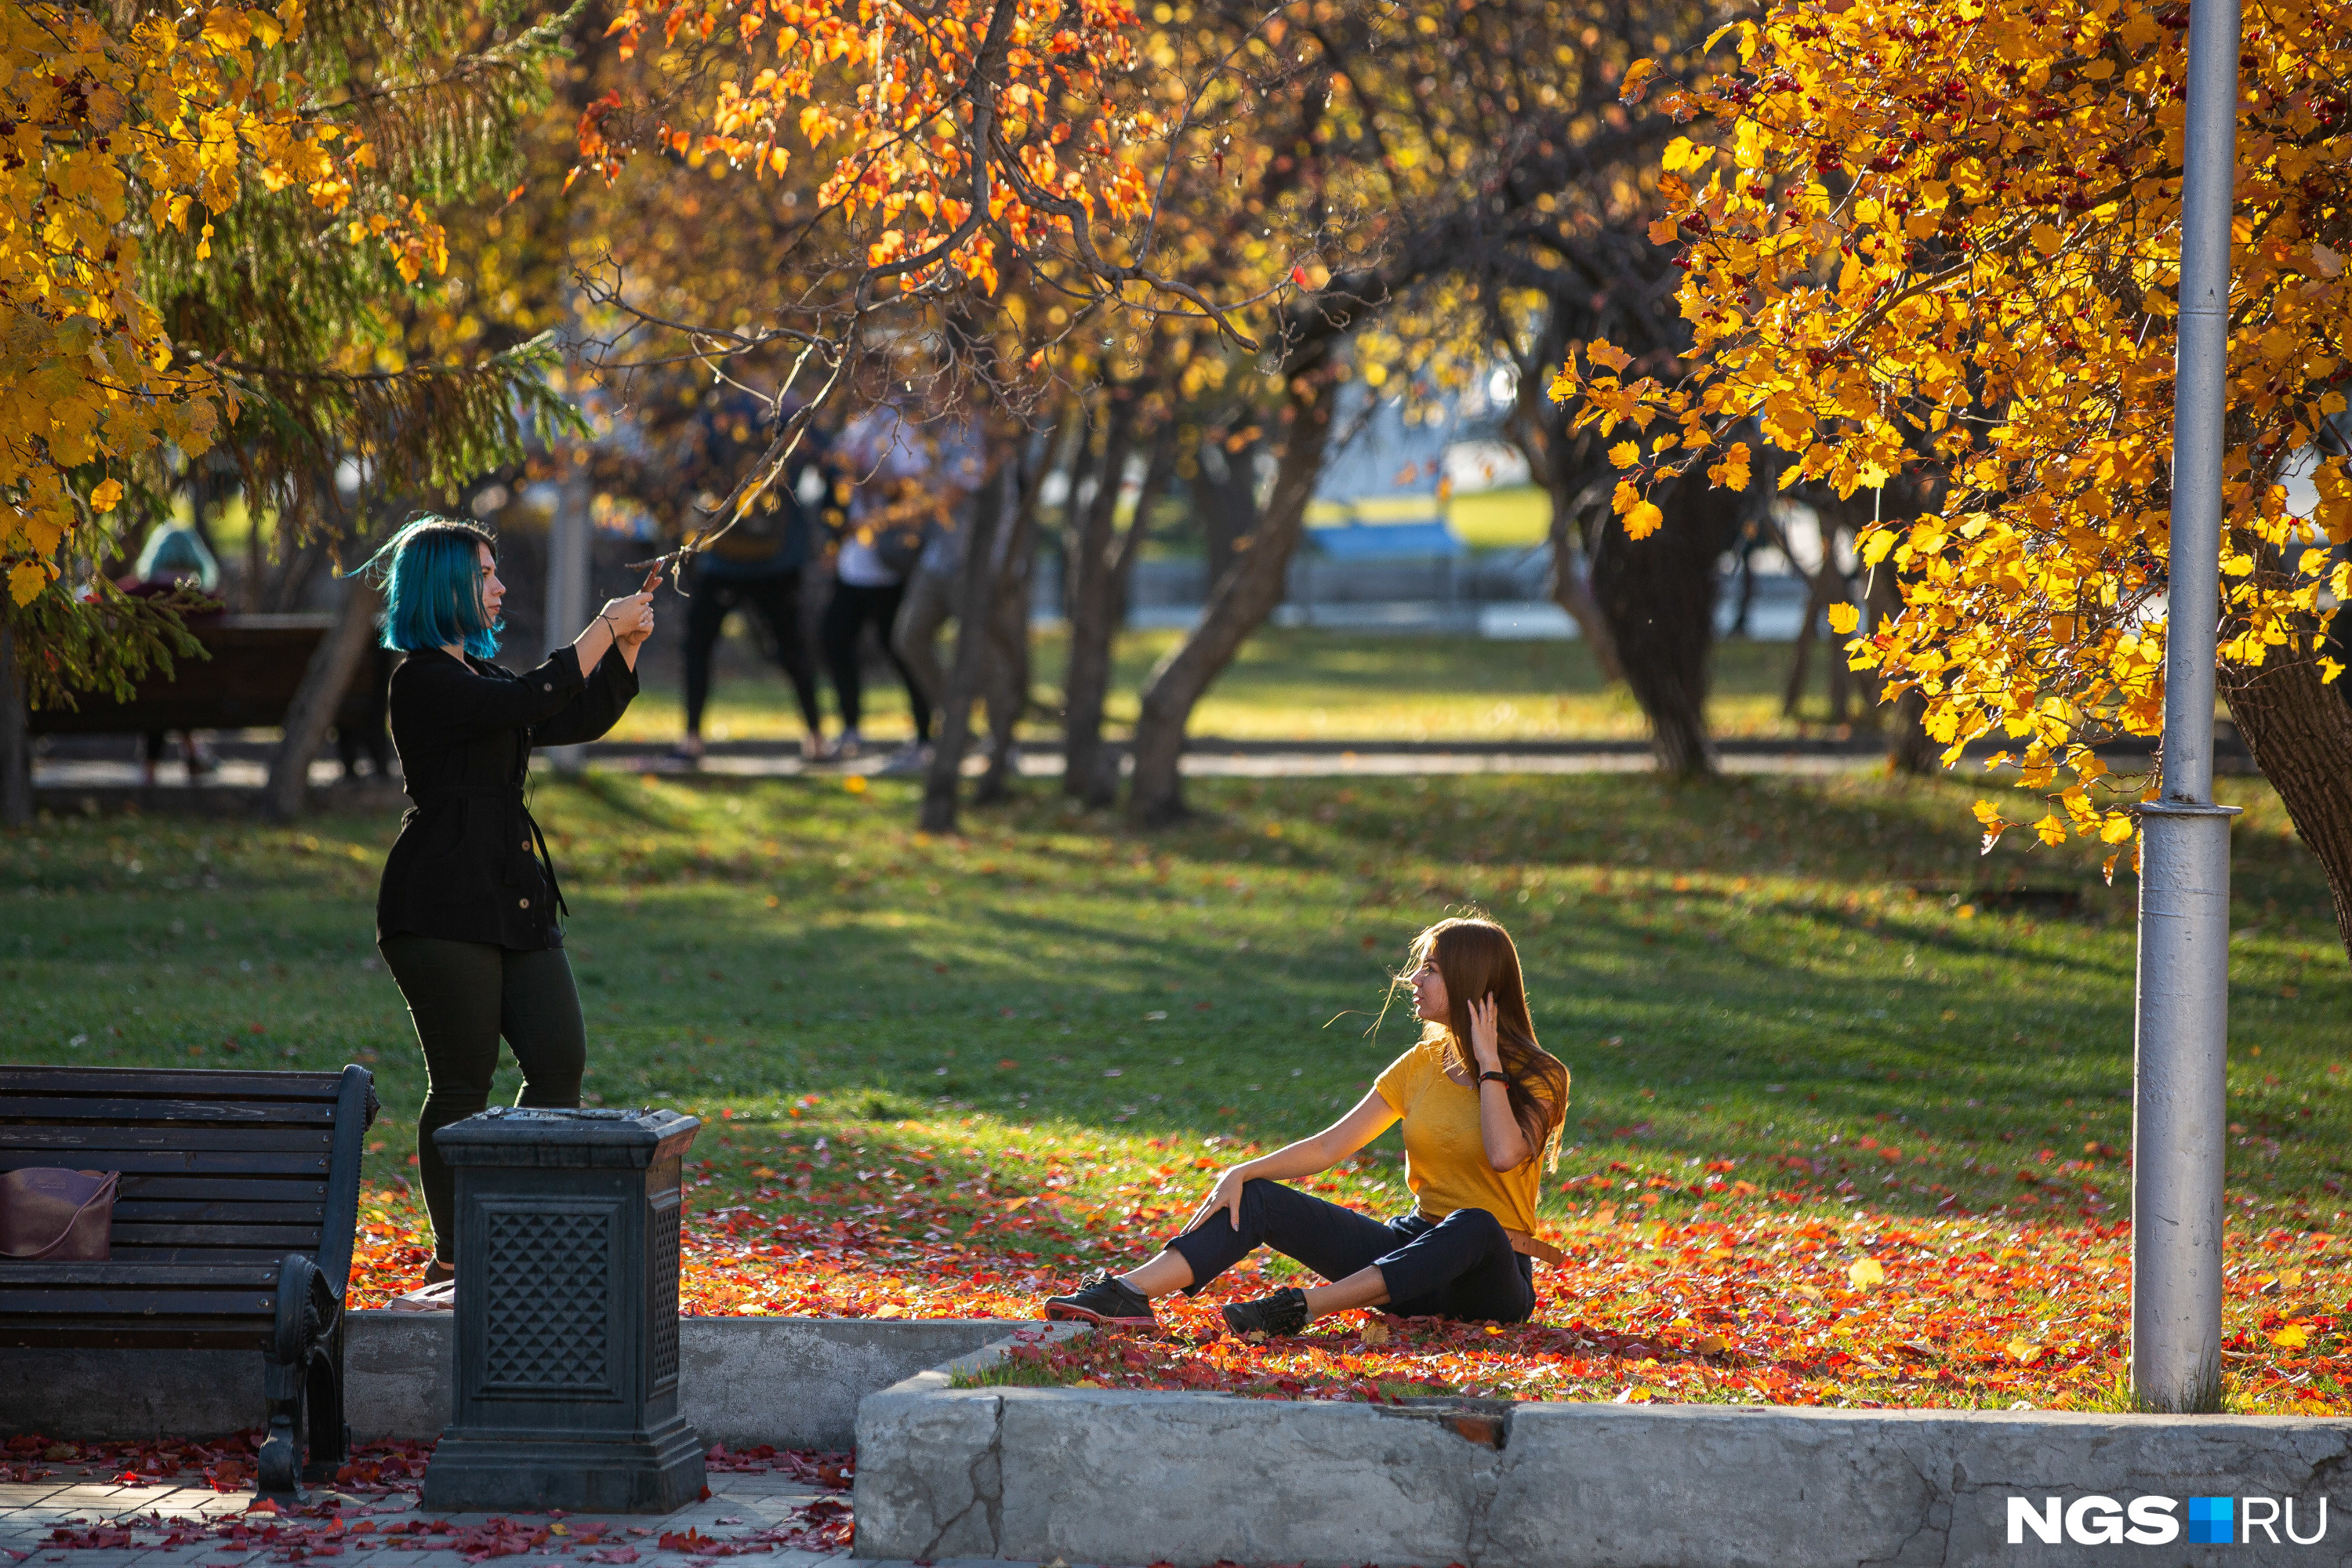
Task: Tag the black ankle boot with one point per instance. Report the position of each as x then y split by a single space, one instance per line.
1284 1312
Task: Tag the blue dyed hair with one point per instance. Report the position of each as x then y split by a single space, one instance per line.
432 592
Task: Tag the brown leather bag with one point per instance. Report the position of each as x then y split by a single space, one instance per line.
53 1215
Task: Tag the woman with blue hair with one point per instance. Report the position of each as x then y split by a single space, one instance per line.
465 918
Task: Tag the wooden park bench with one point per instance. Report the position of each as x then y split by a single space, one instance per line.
255 667
233 1228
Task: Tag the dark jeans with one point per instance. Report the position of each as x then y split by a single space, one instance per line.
777 600
1458 1266
850 611
463 995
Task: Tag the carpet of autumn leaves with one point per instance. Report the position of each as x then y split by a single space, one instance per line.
1749 1299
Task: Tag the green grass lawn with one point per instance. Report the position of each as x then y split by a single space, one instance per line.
1763 972
1321 685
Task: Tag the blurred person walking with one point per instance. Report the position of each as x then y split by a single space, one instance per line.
883 458
756 565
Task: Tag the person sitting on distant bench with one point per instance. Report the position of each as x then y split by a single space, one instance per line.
1482 1104
176 566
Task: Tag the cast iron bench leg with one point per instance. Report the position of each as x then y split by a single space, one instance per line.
285 1377
330 1433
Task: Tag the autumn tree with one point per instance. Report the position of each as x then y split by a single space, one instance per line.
1512 125
1947 237
988 181
245 235
1447 134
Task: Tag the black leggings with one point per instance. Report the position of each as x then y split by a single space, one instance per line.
1459 1267
777 599
845 617
463 995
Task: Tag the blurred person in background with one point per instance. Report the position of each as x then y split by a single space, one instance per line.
883 458
176 566
756 565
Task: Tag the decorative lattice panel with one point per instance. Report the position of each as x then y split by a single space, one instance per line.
661 1295
545 1281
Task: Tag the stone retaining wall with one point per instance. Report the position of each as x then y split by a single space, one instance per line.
1108 1475
792 1382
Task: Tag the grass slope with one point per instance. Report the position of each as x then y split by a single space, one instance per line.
1314 685
1762 988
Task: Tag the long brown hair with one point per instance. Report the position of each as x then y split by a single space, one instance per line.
1476 957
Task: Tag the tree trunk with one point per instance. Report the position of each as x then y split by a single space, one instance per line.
1658 596
1239 602
1909 748
1008 651
1571 585
1083 470
1549 452
975 594
312 711
1822 589
1157 472
2300 732
16 737
1090 768
1225 498
1564 463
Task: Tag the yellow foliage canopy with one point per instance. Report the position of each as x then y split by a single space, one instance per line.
951 127
110 134
1942 237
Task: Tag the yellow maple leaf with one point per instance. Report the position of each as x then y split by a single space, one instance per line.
1844 617
2293 1336
107 496
1625 454
1732 473
228 28
1867 1273
1682 153
1601 352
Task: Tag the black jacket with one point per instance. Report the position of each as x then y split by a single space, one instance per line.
470 864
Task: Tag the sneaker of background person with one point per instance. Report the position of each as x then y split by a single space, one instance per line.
1284 1312
910 758
1100 1299
815 748
848 746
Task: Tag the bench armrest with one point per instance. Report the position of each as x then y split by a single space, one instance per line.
355 1110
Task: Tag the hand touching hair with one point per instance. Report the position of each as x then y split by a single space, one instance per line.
1480 967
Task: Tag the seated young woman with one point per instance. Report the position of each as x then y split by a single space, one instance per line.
1482 1105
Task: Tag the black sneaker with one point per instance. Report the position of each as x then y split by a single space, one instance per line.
1099 1299
1284 1312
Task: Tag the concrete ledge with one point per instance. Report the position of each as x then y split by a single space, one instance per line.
1109 1476
792 1382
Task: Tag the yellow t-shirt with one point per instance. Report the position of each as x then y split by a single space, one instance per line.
1444 1150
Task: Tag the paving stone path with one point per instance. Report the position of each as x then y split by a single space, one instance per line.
167 1525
